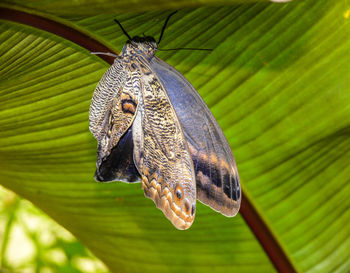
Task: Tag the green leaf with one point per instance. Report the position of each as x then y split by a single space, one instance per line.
277 81
90 7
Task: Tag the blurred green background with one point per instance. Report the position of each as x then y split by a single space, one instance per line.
32 242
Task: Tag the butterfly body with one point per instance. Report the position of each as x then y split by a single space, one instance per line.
152 126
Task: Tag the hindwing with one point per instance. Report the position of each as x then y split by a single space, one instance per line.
161 152
217 178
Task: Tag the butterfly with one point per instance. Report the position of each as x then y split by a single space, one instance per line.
153 127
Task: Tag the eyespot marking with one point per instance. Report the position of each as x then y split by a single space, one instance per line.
179 193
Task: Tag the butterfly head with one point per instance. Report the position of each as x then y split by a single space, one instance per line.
141 45
145 45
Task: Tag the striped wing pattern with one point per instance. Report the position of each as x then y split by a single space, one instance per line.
152 126
161 154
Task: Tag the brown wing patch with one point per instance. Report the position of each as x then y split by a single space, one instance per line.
164 200
128 106
217 183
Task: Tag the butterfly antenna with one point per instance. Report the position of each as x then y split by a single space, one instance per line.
164 26
124 31
184 48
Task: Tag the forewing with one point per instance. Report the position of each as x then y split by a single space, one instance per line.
108 89
112 112
217 177
161 153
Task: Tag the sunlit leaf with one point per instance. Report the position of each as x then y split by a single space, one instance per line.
277 81
91 7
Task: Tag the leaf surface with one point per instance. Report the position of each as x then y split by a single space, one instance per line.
277 81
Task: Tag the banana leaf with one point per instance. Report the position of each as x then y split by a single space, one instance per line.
278 83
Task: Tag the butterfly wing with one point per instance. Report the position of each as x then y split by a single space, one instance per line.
161 152
119 164
112 112
217 177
